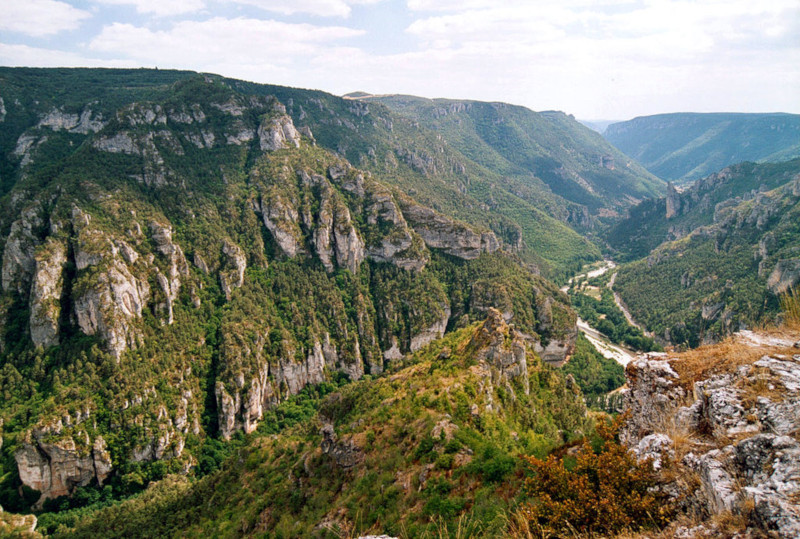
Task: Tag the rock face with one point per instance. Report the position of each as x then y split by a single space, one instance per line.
653 395
502 348
785 275
242 404
12 525
277 133
45 299
734 433
109 304
345 453
58 120
55 467
673 201
430 334
443 233
19 259
177 266
233 275
393 231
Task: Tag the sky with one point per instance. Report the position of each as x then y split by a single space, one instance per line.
595 59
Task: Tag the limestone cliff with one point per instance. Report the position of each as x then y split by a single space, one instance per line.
452 237
304 269
46 291
56 458
502 349
108 296
242 403
19 259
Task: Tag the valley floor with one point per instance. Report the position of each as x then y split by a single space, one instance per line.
601 342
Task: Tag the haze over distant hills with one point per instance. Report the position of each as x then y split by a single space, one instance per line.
598 125
683 147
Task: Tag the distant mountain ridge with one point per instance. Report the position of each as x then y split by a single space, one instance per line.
683 147
715 257
544 156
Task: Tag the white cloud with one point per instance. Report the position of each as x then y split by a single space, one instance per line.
39 18
592 58
320 8
252 48
160 8
614 54
26 56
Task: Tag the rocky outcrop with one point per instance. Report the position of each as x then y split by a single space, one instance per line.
344 452
121 142
557 351
58 120
176 265
281 218
431 333
278 132
46 290
785 275
334 236
736 433
154 171
241 403
502 348
19 259
396 246
107 297
440 232
23 526
314 217
673 201
653 395
108 304
55 462
235 263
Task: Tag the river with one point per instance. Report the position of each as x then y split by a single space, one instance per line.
602 344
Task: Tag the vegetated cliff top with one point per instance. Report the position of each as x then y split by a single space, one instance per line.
722 422
683 147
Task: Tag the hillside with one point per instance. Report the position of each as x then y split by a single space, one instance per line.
447 446
406 454
731 245
683 147
546 156
655 221
405 155
179 258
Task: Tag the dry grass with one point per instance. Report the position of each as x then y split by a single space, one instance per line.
700 363
725 357
790 305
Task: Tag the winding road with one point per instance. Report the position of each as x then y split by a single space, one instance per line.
623 308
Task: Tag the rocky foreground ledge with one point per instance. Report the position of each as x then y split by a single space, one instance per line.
722 424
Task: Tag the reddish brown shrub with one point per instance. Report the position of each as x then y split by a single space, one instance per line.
594 492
